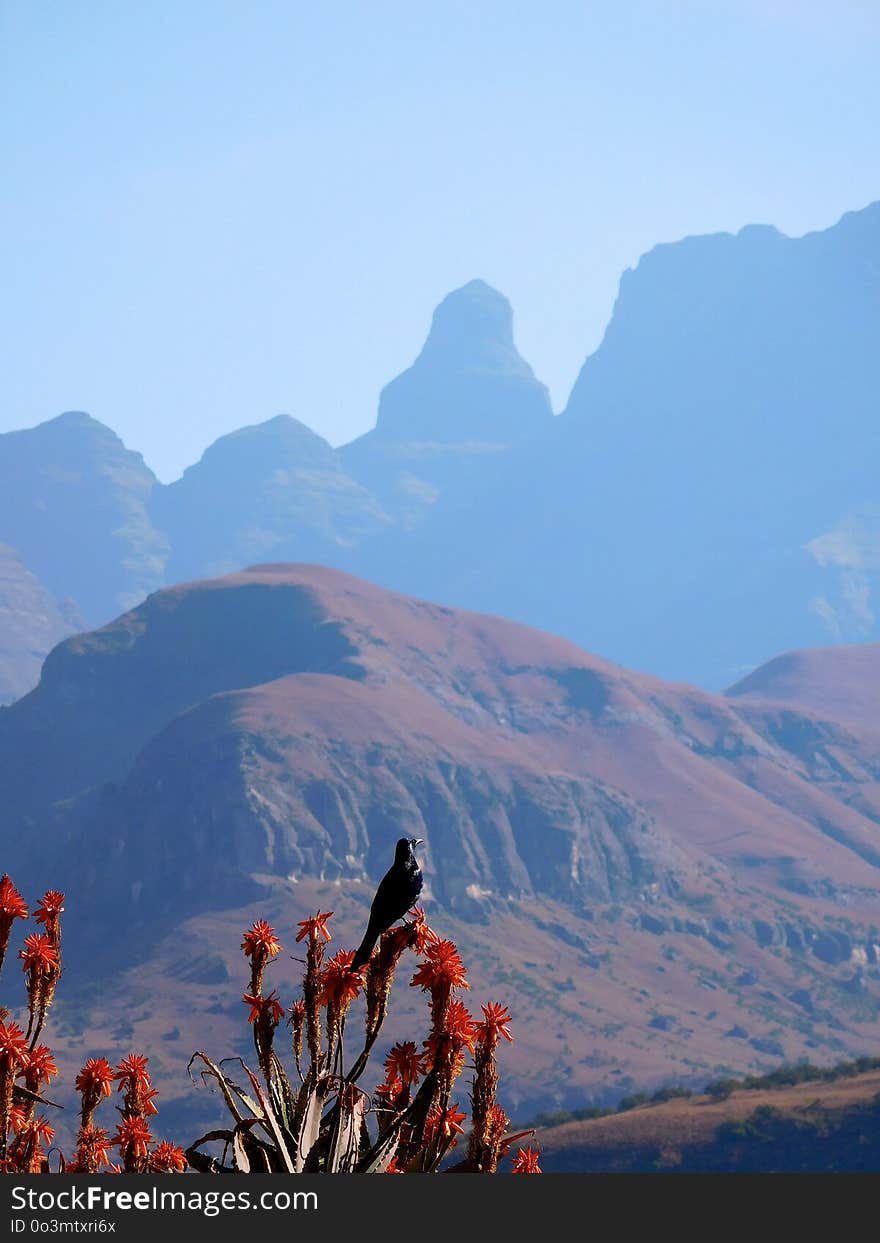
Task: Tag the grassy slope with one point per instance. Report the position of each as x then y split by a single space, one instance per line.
811 1126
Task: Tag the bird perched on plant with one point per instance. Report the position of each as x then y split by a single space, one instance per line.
397 892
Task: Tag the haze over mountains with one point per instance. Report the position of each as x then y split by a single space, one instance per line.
707 500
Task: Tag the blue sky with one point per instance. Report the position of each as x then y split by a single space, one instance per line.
216 212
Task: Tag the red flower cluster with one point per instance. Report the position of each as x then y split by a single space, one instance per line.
135 1083
167 1159
444 1123
442 968
93 1082
39 954
12 907
40 1069
264 1009
96 1077
526 1162
338 984
48 913
404 1064
260 944
494 1024
314 927
13 1047
424 936
133 1140
260 941
93 1151
24 1136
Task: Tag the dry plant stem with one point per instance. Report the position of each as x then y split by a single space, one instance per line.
481 1149
6 1081
380 977
311 990
47 996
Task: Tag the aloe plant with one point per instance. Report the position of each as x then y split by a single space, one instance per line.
318 1119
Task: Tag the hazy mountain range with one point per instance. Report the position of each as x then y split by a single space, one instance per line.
707 499
661 882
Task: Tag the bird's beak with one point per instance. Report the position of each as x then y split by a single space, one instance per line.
418 841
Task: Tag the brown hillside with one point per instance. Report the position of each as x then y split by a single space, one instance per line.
660 882
665 1134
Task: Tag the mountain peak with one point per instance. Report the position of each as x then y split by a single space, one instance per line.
75 423
471 319
280 440
469 383
74 418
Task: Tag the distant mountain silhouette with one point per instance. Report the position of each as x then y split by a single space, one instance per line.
709 497
274 491
467 397
707 500
73 505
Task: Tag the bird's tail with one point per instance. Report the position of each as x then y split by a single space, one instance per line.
364 950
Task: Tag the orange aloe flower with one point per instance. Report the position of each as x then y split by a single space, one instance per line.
424 936
95 1077
18 1119
132 1073
494 1024
526 1162
314 927
40 1068
93 1149
50 908
338 984
93 1082
393 1168
388 1093
12 904
133 1139
460 1025
264 1009
404 1064
39 955
260 941
135 1082
444 1122
442 968
143 1101
12 907
13 1047
167 1159
39 1130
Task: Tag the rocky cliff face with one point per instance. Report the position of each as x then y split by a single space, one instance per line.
297 721
32 621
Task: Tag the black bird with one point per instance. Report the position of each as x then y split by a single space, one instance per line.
398 890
